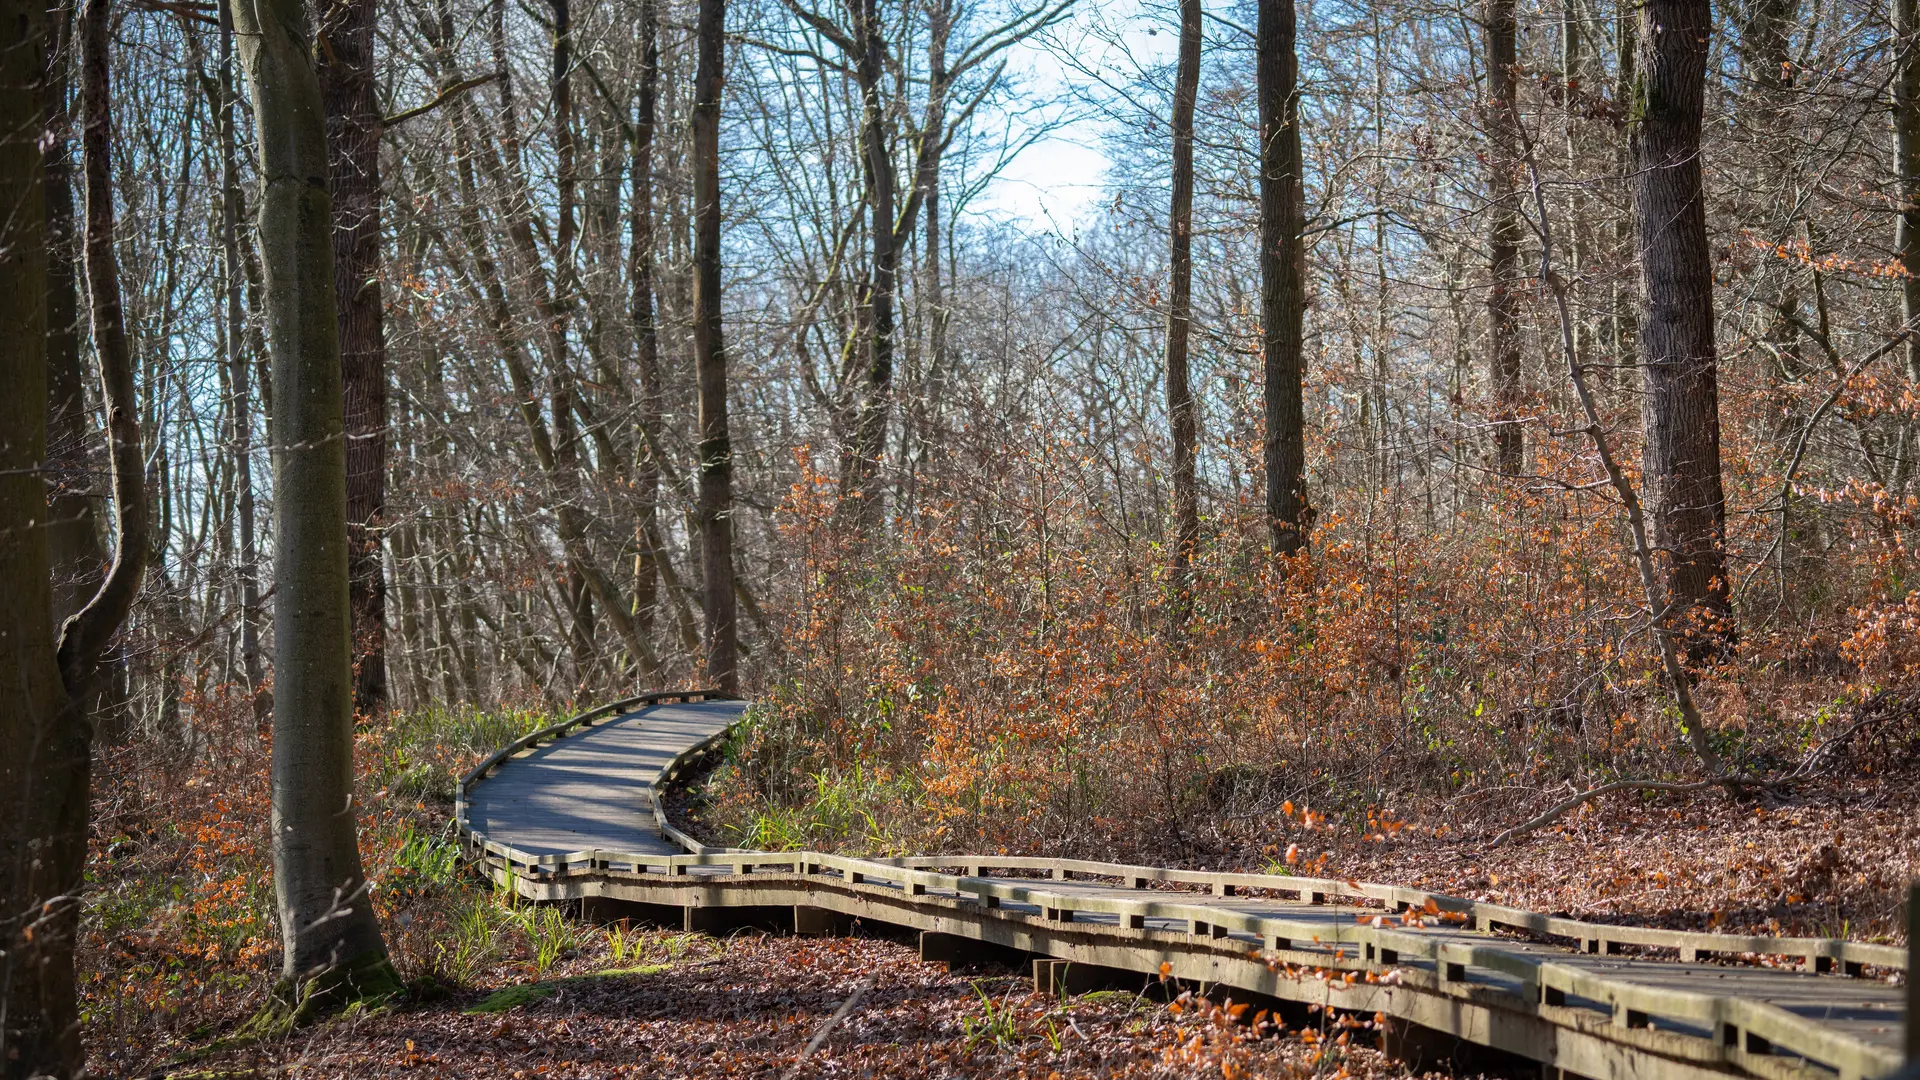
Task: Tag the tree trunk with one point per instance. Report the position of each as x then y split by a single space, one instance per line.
710 359
1186 505
1503 236
1682 409
560 383
73 535
39 1011
646 331
345 68
1283 274
233 280
332 944
1906 136
862 481
939 26
45 860
1625 298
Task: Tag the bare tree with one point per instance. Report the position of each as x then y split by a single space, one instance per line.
717 601
1682 407
332 946
1283 297
1906 142
1503 235
51 685
40 1023
1180 414
346 70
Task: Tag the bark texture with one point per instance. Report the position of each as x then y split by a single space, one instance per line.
1180 417
1283 272
239 373
1503 236
862 483
73 534
646 330
332 944
721 640
1682 400
345 69
41 1023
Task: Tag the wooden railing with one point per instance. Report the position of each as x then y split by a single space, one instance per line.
1742 1029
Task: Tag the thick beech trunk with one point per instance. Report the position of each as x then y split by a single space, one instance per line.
345 68
1180 417
39 1011
1682 407
332 944
1283 272
717 602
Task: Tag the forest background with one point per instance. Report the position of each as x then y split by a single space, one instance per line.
990 597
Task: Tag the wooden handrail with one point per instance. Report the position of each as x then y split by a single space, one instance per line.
1374 942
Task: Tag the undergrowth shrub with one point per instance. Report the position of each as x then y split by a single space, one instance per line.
180 939
997 671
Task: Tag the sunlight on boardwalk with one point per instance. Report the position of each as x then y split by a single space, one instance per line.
593 789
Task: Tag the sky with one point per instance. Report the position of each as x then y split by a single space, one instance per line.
1061 179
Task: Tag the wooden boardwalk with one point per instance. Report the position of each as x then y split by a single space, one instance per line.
571 813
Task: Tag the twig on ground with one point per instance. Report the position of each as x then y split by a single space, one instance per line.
1593 793
826 1029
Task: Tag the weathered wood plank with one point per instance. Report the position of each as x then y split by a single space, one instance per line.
572 814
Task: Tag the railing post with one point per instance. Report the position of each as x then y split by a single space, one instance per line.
1913 988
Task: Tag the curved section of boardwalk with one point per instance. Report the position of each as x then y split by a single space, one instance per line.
571 813
594 788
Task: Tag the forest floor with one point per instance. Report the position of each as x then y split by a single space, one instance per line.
751 1005
179 948
1834 860
684 1005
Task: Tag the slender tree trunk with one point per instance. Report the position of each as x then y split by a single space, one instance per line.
1625 297
876 392
560 385
39 1016
1682 408
646 330
939 26
73 533
86 634
717 601
233 280
1180 416
332 944
571 522
1283 273
1503 236
1906 139
346 71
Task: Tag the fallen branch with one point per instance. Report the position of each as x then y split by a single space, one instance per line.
1591 794
826 1029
